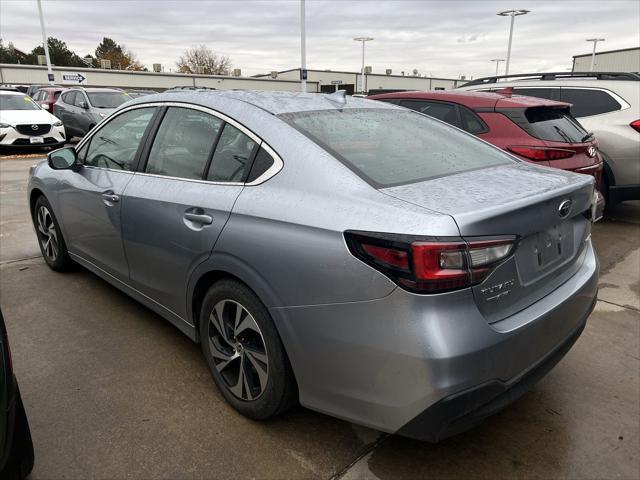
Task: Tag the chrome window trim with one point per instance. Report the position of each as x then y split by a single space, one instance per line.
269 173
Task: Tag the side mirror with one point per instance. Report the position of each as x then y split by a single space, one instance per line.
62 159
84 105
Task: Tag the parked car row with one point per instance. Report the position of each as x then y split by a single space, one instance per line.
360 258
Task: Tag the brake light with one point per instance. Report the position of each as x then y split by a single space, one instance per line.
542 153
423 266
635 125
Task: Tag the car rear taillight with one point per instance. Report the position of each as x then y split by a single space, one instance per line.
635 125
425 266
542 153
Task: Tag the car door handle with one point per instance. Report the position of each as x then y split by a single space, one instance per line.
110 197
202 219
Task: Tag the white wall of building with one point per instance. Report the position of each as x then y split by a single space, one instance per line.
627 60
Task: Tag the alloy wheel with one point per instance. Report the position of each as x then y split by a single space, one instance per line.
47 233
238 350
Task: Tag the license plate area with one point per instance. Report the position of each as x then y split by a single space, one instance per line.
36 140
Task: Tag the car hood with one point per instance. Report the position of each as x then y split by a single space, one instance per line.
15 117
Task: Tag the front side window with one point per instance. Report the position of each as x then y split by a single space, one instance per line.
107 99
232 159
17 102
78 99
68 97
389 147
586 102
442 111
115 145
183 144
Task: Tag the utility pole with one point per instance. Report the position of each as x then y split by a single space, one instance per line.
497 60
45 44
363 40
593 54
513 14
303 49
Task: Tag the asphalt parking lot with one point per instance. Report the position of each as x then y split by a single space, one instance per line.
114 391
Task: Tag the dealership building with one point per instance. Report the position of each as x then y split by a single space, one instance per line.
624 60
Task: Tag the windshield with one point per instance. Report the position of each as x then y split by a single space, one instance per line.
554 124
17 102
388 147
108 99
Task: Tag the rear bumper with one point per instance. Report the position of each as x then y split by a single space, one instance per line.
385 363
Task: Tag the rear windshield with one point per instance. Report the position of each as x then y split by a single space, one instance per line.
388 147
108 99
554 124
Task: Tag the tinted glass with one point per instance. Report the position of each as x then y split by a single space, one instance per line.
589 102
183 143
115 145
548 93
395 147
17 102
442 111
107 99
261 164
232 158
68 97
78 99
554 124
471 122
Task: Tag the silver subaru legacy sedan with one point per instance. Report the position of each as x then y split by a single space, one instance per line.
359 258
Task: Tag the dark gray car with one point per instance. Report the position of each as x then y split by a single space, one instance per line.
81 109
374 263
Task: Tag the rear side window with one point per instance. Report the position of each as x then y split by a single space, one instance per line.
471 122
261 164
548 93
555 124
589 102
183 144
388 147
232 159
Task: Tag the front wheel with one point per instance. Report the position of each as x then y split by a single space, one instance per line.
244 352
52 245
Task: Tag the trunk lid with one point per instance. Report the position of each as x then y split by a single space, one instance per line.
522 200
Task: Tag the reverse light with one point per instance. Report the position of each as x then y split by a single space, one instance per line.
424 266
542 153
635 125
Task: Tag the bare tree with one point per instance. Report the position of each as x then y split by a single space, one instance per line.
202 56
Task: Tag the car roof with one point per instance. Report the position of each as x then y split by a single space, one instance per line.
95 89
274 102
12 92
473 99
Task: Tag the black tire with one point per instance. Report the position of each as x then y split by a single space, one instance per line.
20 462
55 252
254 399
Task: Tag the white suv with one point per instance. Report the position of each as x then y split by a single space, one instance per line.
607 104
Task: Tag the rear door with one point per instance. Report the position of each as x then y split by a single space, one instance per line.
64 111
177 206
91 200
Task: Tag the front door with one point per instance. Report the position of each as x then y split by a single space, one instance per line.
175 210
91 201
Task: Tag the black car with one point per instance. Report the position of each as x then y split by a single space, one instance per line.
16 447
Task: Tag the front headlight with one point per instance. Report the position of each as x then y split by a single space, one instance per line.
5 125
57 124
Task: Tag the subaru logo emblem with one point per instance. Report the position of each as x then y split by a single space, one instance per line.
565 208
591 151
34 127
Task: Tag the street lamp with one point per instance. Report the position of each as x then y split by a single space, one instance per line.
497 60
45 44
303 48
363 40
513 14
593 54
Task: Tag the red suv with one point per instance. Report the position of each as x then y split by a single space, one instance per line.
47 96
533 129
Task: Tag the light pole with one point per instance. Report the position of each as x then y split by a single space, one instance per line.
593 54
45 44
363 40
303 49
513 14
497 60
